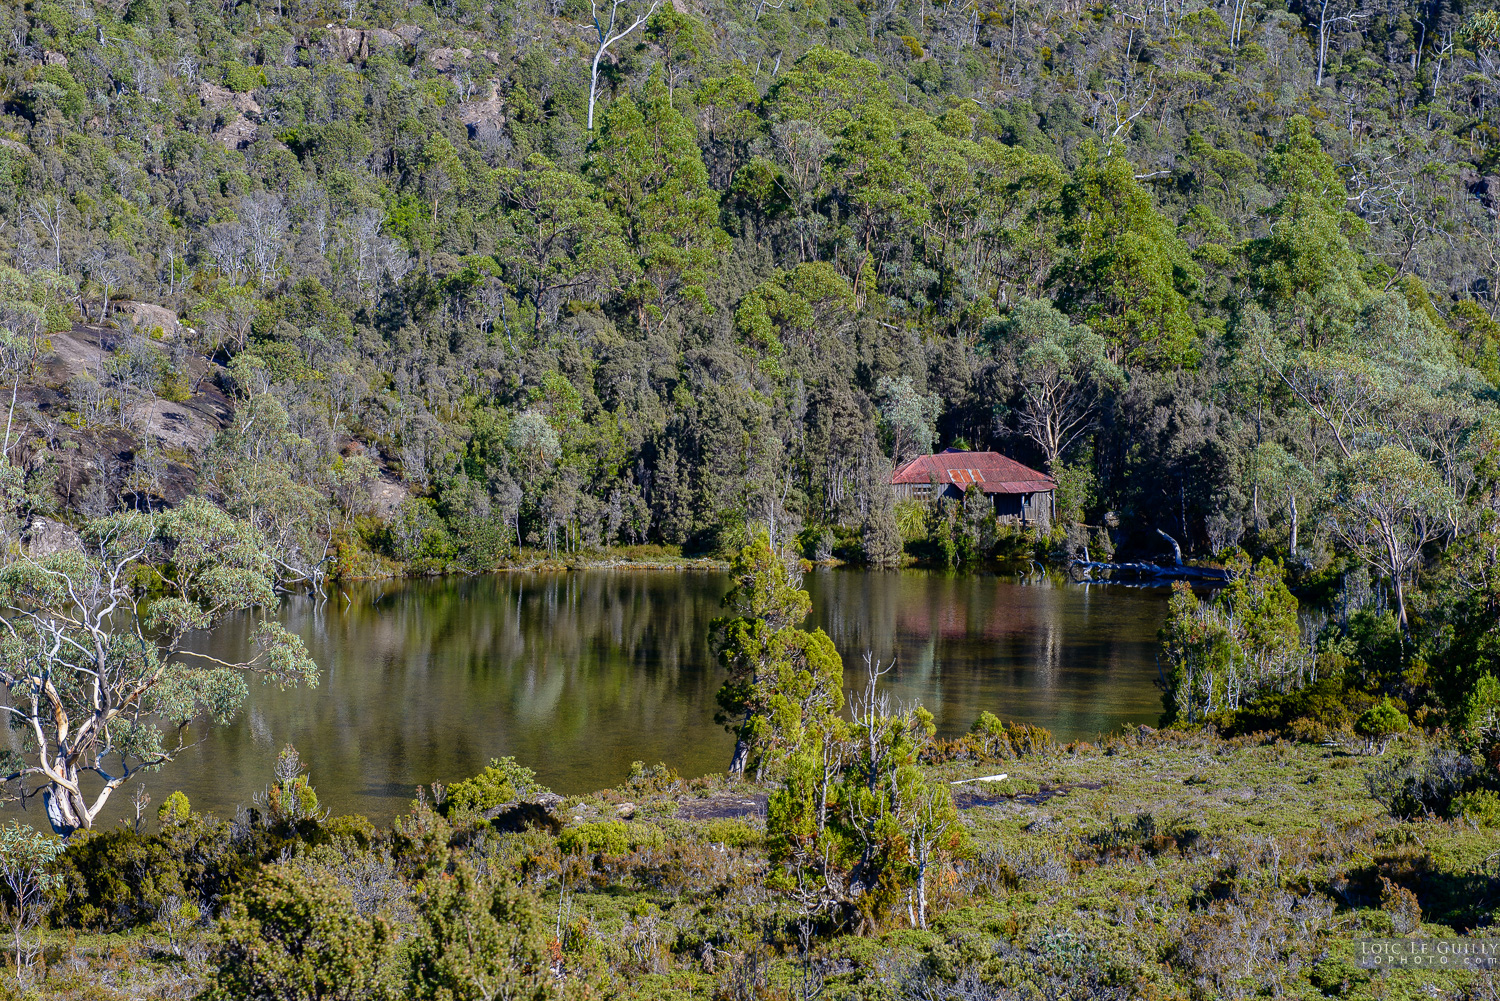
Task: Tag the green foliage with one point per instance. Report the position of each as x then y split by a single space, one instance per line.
290 799
175 809
1381 722
784 687
1124 268
195 564
241 78
608 837
502 781
1481 808
475 941
856 826
293 935
1222 654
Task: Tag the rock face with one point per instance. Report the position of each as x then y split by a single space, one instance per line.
241 130
386 495
171 425
355 44
486 112
45 537
217 97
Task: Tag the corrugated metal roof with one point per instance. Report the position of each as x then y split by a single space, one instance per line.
994 473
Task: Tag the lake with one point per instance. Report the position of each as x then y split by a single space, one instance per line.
579 674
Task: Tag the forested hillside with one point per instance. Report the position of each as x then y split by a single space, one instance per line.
431 290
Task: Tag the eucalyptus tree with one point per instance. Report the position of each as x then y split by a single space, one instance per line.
909 416
100 678
610 30
1061 371
1387 504
562 237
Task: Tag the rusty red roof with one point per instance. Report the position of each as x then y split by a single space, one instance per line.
994 473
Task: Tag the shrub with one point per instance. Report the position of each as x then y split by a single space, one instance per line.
175 809
475 943
116 879
1417 785
730 834
503 781
991 740
1481 807
241 78
647 780
1380 723
609 837
293 935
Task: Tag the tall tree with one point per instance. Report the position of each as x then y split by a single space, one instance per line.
1061 370
785 684
1124 268
647 163
94 653
1387 504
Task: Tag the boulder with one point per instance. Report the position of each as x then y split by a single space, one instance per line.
444 59
148 317
217 97
45 537
521 815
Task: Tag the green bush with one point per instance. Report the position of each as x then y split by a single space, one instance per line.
116 879
478 942
1380 723
293 935
241 78
730 834
609 837
175 809
1481 807
502 781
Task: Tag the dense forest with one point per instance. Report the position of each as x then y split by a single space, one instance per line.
468 280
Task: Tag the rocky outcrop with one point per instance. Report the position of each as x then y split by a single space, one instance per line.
148 317
238 134
45 537
356 44
489 112
217 97
386 495
172 426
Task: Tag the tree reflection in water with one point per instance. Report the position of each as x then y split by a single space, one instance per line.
578 674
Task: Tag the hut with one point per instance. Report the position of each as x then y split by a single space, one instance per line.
1021 495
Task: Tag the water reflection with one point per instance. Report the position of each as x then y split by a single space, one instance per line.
579 674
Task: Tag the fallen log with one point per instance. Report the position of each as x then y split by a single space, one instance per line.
1149 572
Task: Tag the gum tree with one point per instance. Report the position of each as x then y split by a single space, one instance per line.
93 657
1388 503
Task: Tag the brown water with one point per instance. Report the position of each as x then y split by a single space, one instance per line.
579 674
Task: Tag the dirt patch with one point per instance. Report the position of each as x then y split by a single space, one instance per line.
723 807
